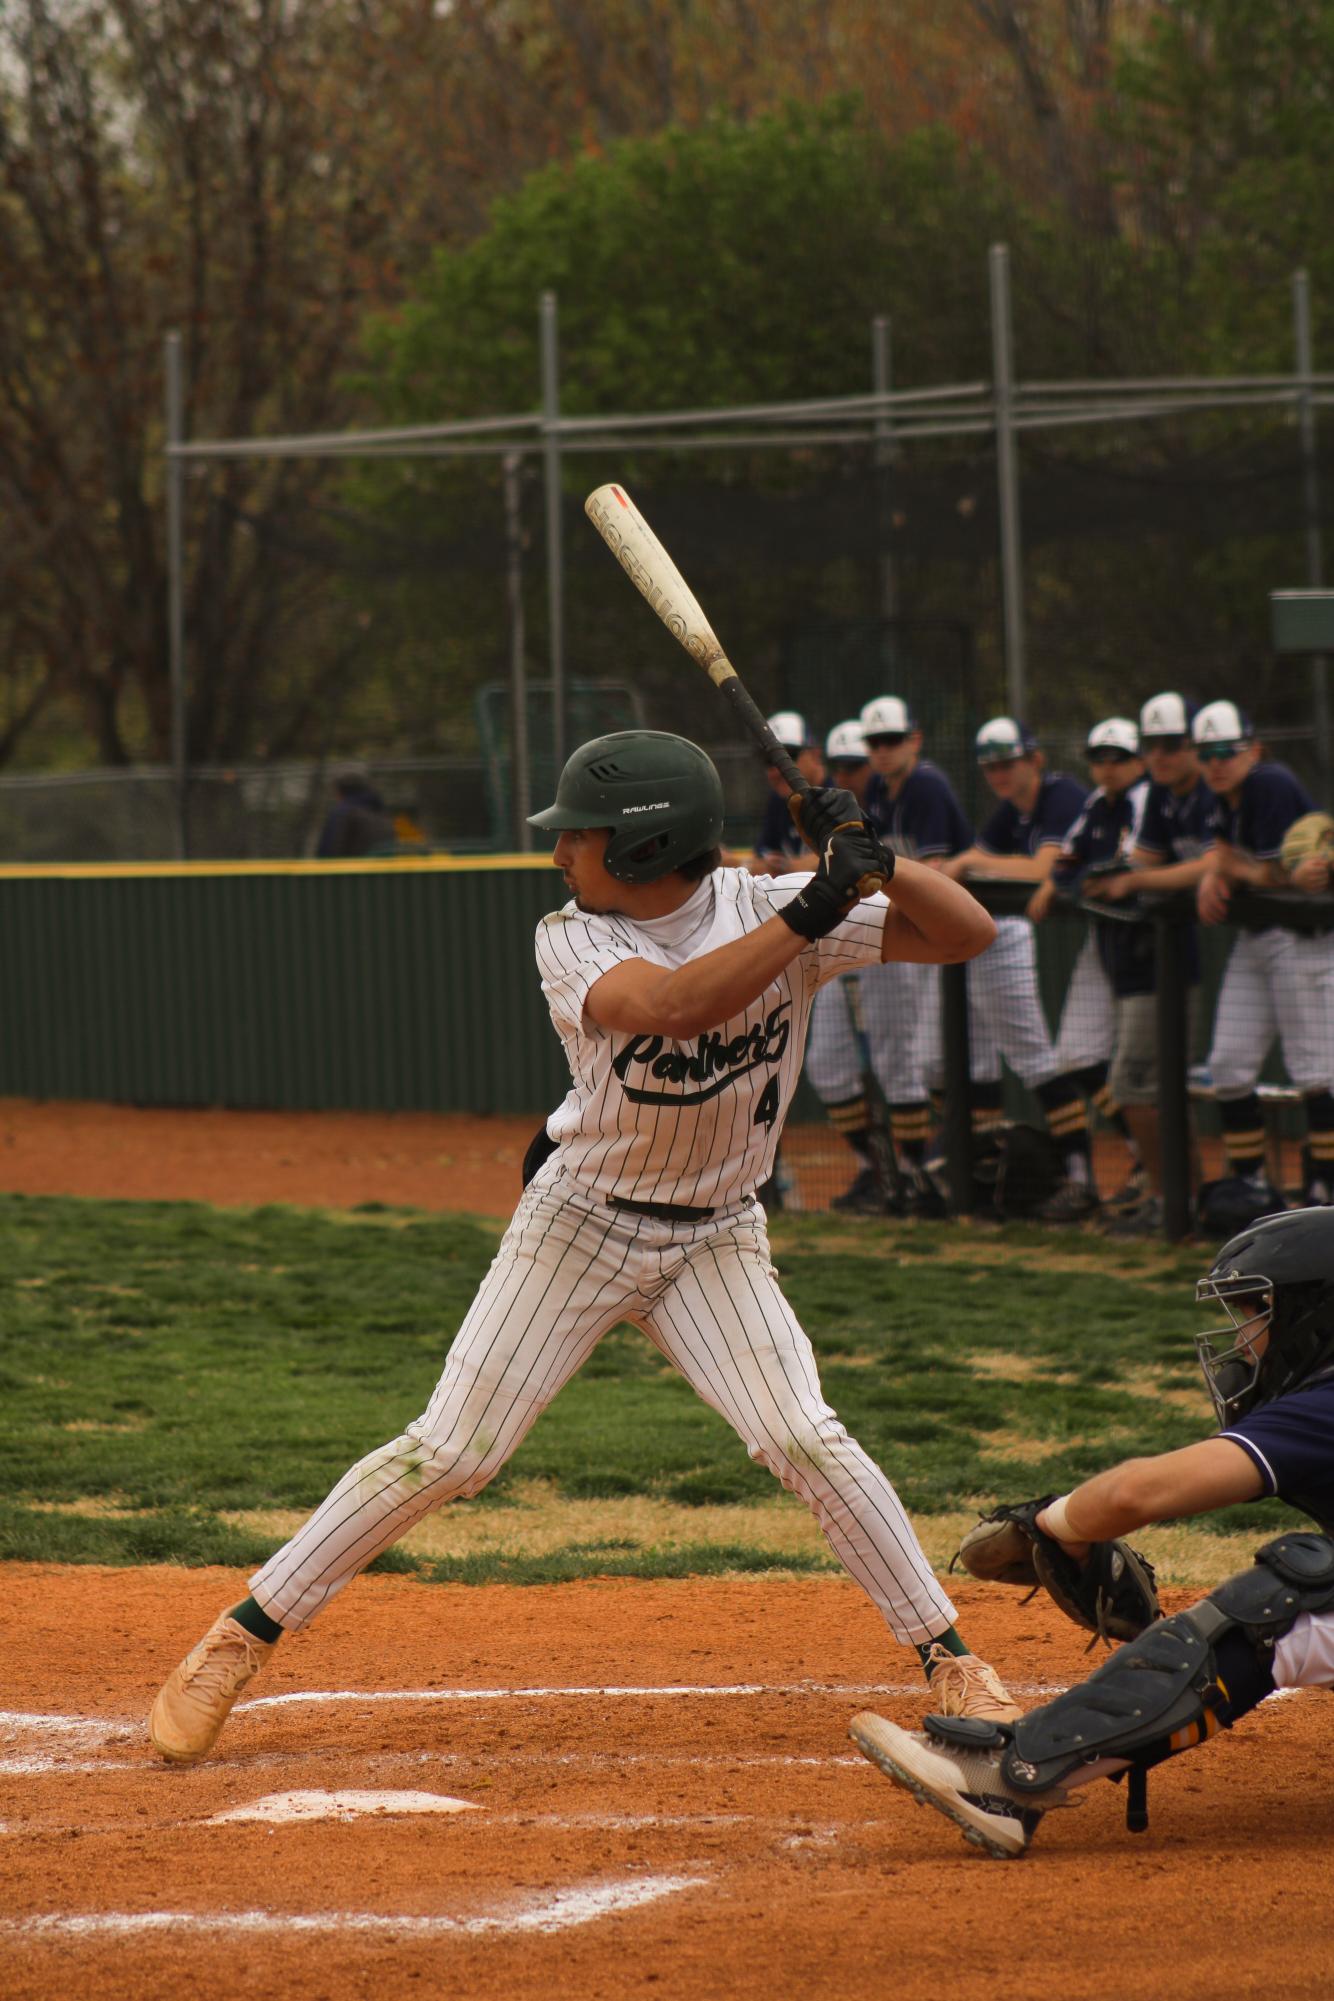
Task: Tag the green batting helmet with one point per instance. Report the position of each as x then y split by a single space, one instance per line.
660 795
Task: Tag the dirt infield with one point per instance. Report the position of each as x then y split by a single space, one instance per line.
664 1800
657 1790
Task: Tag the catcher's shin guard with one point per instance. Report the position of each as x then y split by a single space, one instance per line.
1181 1681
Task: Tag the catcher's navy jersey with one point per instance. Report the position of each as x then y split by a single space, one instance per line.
1099 843
924 819
778 831
1058 805
1292 1443
1271 799
1178 826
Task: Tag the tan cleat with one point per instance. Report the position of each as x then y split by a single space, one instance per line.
196 1698
962 1685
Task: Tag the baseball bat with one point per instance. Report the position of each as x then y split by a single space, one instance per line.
653 573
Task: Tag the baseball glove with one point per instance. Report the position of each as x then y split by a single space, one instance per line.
1111 1594
1313 834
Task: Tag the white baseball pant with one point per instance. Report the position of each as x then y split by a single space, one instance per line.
1276 983
1005 1016
567 1271
1087 1033
891 1002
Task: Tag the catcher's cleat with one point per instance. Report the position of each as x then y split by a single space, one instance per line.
962 1783
962 1685
196 1698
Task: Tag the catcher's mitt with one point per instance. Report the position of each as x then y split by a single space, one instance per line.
1111 1594
1313 834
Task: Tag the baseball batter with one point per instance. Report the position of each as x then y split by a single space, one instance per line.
1270 1372
681 992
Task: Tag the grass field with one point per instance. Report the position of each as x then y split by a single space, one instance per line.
181 1384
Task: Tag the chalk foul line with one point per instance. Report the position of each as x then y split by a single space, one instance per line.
581 1904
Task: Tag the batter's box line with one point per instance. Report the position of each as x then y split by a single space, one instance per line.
581 1904
850 1691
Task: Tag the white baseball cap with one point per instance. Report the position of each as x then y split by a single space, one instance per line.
1164 715
887 715
1115 733
1221 722
790 729
1003 738
846 742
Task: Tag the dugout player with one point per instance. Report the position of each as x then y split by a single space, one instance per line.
1278 982
1170 855
911 805
1270 1373
779 839
1021 840
1115 962
680 991
837 1057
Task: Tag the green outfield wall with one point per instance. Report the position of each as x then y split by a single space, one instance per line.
379 985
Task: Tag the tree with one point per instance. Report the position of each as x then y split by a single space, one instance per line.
175 165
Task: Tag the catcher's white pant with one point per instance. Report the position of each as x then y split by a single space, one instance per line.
876 1017
1304 1658
1005 1016
1276 983
568 1269
1088 1014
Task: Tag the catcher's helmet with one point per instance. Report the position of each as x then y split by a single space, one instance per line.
660 795
1276 1275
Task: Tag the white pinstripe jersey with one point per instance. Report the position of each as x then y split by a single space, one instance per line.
697 1122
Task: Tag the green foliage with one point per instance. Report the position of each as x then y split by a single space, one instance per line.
731 263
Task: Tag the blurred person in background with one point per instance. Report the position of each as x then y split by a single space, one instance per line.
357 822
1020 842
1170 855
778 844
1115 964
1279 980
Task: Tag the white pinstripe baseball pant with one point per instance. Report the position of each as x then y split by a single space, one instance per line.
1276 983
566 1272
893 1001
1005 1016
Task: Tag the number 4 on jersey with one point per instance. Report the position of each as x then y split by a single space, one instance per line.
766 1111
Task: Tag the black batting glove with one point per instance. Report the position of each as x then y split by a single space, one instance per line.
847 860
820 810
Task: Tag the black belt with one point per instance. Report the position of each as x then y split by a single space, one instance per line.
661 1212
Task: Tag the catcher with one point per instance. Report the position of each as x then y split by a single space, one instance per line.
1270 1373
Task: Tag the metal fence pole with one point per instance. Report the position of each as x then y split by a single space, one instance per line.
882 379
175 498
555 547
1301 318
520 781
1007 475
958 1081
1172 949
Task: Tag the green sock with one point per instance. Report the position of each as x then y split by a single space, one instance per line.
949 1639
256 1621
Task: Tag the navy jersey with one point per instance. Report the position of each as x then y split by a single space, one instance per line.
1271 799
778 833
1292 1443
925 819
1058 805
1099 843
1178 827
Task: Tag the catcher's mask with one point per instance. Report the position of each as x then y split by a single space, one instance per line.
660 795
1275 1282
